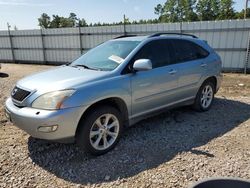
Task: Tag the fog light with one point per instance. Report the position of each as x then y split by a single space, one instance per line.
47 129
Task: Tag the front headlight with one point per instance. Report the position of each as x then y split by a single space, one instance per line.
52 100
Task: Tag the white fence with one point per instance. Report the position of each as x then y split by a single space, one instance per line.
230 38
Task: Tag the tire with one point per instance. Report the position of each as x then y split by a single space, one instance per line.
100 130
200 105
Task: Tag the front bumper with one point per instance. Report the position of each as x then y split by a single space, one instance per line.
30 120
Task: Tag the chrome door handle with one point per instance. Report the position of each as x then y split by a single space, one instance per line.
172 72
203 65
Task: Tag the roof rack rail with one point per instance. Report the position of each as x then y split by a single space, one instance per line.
123 36
169 33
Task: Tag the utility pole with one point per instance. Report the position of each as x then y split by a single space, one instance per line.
11 43
246 6
180 15
124 24
80 36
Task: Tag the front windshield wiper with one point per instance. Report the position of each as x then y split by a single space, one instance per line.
84 66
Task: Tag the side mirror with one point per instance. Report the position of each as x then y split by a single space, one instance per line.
142 65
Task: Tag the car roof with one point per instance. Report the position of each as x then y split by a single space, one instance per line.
134 38
157 36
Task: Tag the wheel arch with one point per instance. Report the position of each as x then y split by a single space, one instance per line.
213 79
115 102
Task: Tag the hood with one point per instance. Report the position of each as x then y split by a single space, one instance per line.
59 78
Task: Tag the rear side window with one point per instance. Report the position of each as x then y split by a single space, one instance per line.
159 52
188 51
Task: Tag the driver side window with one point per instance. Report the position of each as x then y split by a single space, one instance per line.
157 51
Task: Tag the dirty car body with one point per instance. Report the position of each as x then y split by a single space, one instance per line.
137 76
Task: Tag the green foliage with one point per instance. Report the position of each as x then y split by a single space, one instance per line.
226 10
56 22
59 22
176 11
208 9
44 21
159 9
82 23
193 10
186 10
170 11
240 15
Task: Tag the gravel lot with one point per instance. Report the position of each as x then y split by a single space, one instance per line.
173 149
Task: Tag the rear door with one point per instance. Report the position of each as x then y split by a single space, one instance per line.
191 63
154 88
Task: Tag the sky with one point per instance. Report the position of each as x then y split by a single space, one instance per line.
24 13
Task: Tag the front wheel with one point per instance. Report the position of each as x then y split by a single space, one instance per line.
100 130
204 97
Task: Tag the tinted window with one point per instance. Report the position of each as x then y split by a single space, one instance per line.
188 51
159 52
201 53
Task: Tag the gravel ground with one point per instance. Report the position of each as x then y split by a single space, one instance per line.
173 149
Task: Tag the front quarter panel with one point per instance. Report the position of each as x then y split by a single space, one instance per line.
88 94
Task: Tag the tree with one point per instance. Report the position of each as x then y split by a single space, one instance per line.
73 19
60 21
176 11
44 21
159 9
208 9
169 12
186 10
66 22
82 23
240 15
56 21
215 9
226 10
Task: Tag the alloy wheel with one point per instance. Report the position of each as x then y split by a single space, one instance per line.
104 131
206 96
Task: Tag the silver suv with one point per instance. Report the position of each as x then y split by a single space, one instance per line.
114 85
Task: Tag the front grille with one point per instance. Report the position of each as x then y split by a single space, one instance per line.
19 94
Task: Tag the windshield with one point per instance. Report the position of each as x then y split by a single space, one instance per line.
106 56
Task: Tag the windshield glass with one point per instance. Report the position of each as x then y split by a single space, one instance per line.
106 56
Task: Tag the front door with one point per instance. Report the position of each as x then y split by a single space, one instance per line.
154 89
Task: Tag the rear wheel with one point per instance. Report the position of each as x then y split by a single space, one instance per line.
204 97
100 130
